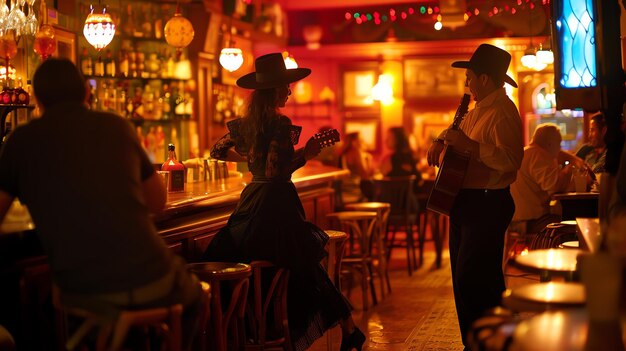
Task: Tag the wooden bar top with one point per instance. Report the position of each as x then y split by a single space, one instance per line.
576 196
207 194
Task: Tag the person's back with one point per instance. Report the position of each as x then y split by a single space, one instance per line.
90 188
79 178
538 178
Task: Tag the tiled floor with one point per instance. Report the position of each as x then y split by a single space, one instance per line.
419 314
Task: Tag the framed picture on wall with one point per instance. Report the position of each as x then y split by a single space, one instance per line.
357 82
66 44
369 130
428 78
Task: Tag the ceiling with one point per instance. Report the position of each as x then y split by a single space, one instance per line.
318 4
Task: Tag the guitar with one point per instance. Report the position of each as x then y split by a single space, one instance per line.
327 138
451 170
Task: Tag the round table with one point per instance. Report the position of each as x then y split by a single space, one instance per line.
566 330
548 261
544 296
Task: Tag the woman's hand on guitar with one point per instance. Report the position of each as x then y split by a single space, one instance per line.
312 148
434 152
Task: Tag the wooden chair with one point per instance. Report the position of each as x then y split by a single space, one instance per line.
360 227
167 321
379 251
216 274
399 193
259 304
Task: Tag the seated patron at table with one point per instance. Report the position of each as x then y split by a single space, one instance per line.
594 151
359 162
90 188
540 176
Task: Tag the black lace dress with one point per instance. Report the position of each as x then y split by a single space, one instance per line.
269 224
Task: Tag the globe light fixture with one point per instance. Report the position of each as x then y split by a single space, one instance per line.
231 59
178 31
99 29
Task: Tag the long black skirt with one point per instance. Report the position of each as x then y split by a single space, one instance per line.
269 224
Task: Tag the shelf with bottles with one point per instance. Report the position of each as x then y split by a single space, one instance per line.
153 100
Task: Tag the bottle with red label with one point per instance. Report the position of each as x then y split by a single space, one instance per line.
21 96
176 182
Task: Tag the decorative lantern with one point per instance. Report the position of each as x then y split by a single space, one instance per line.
178 31
99 29
45 43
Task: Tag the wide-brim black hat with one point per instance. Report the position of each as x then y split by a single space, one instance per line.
490 60
271 73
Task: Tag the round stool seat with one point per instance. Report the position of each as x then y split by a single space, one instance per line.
570 245
352 215
570 222
336 234
368 206
221 270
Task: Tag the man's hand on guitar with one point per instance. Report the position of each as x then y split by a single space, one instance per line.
312 149
461 141
434 153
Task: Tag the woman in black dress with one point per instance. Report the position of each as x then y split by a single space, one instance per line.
268 222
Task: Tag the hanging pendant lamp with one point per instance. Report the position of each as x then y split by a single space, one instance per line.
99 29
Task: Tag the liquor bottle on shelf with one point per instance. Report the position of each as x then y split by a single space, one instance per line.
146 25
129 28
86 64
109 65
177 171
124 64
158 23
98 67
166 103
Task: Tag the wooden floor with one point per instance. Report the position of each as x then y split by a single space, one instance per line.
419 315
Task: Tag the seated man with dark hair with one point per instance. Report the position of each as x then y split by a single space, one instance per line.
90 189
594 152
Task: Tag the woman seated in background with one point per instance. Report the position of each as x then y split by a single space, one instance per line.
540 176
401 161
359 162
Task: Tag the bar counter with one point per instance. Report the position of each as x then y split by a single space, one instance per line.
188 224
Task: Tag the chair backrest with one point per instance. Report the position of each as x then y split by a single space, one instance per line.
398 192
268 292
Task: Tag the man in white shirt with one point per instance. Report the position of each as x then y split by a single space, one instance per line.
540 176
492 135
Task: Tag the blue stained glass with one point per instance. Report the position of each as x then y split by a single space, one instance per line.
576 38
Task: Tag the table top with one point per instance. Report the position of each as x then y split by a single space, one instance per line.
567 329
552 260
576 196
551 292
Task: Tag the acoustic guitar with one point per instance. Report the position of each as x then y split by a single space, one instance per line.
327 137
451 170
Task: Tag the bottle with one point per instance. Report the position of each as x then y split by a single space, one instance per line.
5 96
109 65
86 65
98 68
124 64
176 181
166 104
22 97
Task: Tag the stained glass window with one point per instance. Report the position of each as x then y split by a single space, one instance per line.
576 37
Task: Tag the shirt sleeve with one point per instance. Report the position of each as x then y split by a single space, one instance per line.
220 149
506 153
9 157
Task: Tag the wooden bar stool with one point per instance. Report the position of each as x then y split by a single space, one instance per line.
261 302
166 320
360 227
334 247
382 209
539 297
237 275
